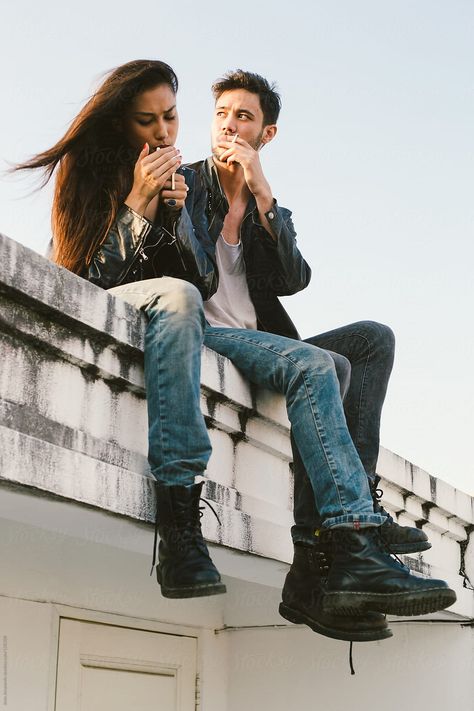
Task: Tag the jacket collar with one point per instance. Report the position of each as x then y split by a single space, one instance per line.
219 200
212 179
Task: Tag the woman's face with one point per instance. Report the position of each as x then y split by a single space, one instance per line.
152 118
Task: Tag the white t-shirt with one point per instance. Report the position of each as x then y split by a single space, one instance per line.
231 306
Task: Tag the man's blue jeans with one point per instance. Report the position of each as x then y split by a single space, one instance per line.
179 445
363 353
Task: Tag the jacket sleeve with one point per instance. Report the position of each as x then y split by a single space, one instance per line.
194 243
291 273
194 249
112 261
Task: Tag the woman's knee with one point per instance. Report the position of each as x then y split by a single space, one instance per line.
185 296
180 298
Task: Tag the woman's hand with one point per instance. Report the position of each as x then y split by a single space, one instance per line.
174 199
150 175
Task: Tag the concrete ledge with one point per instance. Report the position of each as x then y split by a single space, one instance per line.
73 425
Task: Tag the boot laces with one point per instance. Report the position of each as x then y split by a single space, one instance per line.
377 495
385 548
351 664
183 525
202 509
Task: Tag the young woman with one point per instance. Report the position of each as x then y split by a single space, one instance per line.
127 217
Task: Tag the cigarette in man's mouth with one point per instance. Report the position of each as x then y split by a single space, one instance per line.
235 138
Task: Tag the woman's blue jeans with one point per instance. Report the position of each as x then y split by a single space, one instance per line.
179 446
178 443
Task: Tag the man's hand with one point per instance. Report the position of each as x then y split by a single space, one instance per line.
236 150
239 151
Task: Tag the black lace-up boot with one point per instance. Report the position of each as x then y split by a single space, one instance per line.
400 539
363 576
184 568
302 597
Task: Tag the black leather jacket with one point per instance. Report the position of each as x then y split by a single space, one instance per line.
273 267
178 246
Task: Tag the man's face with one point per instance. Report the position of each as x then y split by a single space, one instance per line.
237 111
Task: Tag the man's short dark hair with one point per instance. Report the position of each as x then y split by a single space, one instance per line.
270 101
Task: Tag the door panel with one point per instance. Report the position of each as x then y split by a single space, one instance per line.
122 690
108 668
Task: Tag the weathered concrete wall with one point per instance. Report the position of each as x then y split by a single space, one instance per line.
72 384
73 424
77 503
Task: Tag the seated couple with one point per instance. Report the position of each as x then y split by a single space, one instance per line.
205 250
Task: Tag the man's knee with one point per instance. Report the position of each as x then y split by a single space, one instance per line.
380 337
316 359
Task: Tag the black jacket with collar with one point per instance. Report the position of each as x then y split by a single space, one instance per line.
274 267
178 246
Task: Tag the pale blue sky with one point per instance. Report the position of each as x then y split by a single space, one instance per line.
374 156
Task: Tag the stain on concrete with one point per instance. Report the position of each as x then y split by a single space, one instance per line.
247 536
463 546
426 508
27 420
419 523
221 371
211 423
237 437
212 400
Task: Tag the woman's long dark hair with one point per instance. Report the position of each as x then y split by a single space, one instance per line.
95 164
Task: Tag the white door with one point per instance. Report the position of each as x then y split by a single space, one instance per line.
107 668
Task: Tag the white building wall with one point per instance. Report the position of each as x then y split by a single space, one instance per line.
77 503
423 666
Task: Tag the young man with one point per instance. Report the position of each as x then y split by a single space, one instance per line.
258 260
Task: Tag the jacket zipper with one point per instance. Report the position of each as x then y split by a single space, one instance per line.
178 246
139 252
